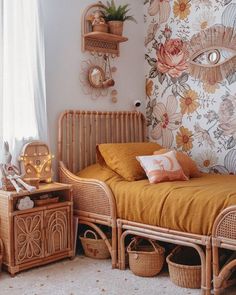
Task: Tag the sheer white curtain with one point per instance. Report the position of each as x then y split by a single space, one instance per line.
22 74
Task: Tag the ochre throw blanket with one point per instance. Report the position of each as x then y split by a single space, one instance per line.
188 206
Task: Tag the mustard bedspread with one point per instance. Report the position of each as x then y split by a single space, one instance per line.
189 206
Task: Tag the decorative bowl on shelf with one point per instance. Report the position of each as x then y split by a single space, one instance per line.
43 202
103 28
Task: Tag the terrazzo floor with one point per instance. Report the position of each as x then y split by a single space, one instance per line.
85 276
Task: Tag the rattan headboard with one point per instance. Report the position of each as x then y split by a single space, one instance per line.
80 131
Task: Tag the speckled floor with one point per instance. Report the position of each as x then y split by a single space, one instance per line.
85 276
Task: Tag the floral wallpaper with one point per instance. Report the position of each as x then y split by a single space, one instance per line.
193 116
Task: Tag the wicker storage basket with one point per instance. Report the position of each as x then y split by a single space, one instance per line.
94 247
116 27
185 267
145 260
100 28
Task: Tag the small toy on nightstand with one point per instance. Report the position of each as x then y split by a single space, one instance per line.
10 175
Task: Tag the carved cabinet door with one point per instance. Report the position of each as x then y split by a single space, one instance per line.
57 230
28 236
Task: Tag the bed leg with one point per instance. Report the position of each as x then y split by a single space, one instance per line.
205 257
119 233
208 269
122 251
114 246
216 268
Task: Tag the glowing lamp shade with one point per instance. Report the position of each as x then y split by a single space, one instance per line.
36 161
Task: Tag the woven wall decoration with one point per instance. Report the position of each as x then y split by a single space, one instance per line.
212 54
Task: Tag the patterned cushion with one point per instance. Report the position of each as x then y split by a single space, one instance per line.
164 167
188 165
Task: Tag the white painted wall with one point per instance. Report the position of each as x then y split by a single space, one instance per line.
62 26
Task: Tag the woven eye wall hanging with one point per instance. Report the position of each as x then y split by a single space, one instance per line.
212 54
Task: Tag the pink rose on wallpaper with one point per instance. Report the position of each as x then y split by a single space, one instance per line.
172 57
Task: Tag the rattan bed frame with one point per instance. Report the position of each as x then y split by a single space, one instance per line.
94 203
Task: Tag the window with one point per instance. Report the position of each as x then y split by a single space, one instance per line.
22 77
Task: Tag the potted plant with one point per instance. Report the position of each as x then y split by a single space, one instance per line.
116 16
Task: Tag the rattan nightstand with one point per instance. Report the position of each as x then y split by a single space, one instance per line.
39 235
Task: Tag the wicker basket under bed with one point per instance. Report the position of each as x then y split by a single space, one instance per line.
145 260
185 267
93 246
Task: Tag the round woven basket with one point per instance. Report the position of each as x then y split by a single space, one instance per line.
94 247
100 28
145 260
116 27
185 267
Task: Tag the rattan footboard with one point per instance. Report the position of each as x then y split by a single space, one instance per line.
224 236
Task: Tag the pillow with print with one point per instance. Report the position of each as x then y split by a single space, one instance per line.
188 165
160 168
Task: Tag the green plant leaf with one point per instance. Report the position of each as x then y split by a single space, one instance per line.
130 18
120 13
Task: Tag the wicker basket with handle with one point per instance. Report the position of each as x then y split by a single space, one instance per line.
185 267
94 247
145 260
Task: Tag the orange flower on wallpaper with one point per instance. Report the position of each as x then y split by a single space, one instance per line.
189 102
182 9
184 139
172 57
149 87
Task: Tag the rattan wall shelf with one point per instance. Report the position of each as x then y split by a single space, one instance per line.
39 235
103 42
99 42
